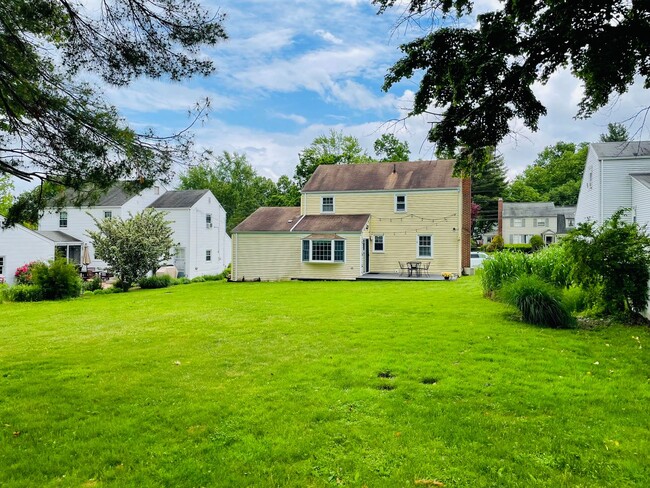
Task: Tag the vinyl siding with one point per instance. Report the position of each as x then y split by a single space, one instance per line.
18 246
529 229
617 184
276 257
641 202
588 207
429 212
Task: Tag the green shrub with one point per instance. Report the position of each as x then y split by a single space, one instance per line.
24 293
552 265
575 299
540 303
198 279
496 244
122 285
524 248
23 275
536 243
58 280
152 282
184 280
92 285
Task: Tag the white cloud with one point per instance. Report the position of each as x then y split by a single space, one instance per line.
328 36
298 119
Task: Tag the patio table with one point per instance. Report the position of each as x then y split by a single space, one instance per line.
414 266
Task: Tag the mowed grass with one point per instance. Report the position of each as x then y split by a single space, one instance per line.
316 384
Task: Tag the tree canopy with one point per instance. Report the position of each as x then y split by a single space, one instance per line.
6 193
390 148
488 185
555 176
135 246
334 148
236 184
54 126
615 133
480 77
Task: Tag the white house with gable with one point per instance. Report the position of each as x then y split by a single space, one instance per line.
616 176
197 219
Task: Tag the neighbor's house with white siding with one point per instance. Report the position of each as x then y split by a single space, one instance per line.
20 245
519 221
616 176
357 219
197 219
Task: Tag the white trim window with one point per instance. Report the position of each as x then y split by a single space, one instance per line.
108 214
425 246
519 222
323 251
378 243
208 221
208 255
541 222
63 219
2 266
327 204
400 203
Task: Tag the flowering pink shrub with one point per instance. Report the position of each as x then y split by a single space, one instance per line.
23 274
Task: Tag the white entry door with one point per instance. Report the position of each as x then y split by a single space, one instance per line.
179 261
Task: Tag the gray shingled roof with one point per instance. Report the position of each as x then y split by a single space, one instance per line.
57 236
383 176
532 209
285 219
115 196
643 178
631 149
569 212
270 219
178 199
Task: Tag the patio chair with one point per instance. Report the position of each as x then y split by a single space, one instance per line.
403 268
424 268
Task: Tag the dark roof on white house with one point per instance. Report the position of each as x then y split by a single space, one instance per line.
529 209
57 236
569 212
116 196
643 178
629 149
383 176
178 199
288 219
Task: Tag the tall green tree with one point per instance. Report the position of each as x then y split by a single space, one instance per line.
334 148
390 148
57 128
6 193
135 246
481 74
555 176
488 185
615 133
234 182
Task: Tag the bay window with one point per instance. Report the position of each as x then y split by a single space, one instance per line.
323 251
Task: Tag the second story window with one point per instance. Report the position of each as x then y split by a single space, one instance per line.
400 203
327 205
208 221
519 222
541 222
208 254
108 214
63 219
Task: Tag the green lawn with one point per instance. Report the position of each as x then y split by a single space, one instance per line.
316 384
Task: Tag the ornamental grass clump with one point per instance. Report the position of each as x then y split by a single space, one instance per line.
539 302
502 268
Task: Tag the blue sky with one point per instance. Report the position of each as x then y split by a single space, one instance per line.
295 69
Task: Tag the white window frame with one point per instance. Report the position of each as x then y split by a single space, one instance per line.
208 221
208 255
63 219
381 239
397 196
518 222
332 251
541 222
418 246
322 204
108 214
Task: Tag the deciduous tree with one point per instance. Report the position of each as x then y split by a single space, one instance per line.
390 148
135 246
479 76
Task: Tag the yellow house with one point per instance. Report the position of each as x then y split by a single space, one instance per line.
360 219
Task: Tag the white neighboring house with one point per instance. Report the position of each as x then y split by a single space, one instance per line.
183 208
615 177
20 245
199 224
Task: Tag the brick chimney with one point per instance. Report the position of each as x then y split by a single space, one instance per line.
466 230
500 217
